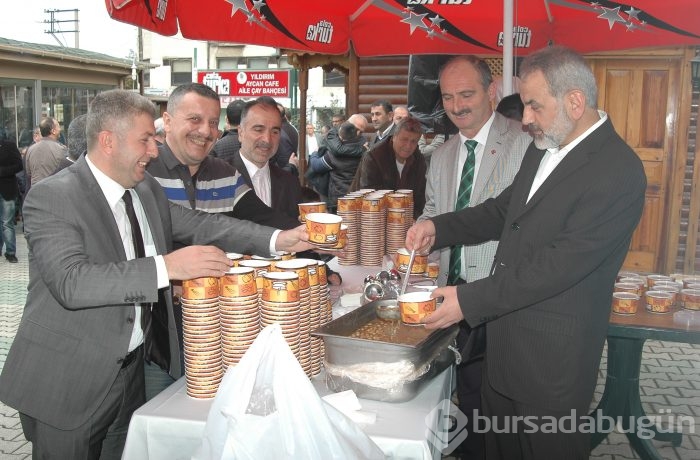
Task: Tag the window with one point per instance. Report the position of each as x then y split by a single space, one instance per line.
334 78
180 71
258 62
227 63
283 63
16 112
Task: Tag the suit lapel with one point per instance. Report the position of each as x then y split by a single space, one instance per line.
452 173
489 158
151 210
100 206
528 170
275 193
242 170
574 160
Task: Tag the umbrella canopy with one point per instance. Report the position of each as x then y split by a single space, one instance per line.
401 27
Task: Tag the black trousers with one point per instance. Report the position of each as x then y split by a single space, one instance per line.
523 439
469 378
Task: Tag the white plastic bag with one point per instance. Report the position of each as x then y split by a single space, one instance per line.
266 408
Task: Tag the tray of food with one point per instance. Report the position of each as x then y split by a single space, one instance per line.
381 359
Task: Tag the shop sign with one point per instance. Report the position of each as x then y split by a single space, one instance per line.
247 83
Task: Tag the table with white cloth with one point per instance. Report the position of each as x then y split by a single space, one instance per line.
170 426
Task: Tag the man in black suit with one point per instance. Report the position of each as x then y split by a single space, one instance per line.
260 133
564 227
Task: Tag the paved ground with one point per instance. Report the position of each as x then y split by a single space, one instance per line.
670 379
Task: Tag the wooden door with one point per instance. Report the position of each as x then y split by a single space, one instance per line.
641 97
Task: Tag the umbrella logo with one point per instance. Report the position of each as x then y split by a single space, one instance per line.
321 32
521 37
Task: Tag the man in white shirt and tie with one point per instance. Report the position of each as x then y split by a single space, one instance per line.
468 92
259 133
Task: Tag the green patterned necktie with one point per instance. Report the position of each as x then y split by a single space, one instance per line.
463 195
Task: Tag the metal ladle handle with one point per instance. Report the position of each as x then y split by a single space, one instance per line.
408 272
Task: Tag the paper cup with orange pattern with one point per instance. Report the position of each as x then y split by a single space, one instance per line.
308 208
625 303
342 237
396 200
690 299
403 257
415 307
260 266
298 266
200 288
238 282
433 270
282 287
323 228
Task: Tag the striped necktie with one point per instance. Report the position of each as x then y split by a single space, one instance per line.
463 196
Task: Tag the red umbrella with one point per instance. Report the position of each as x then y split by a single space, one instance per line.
400 27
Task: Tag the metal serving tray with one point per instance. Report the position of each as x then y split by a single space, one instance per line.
341 350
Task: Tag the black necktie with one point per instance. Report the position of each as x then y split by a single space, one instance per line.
137 240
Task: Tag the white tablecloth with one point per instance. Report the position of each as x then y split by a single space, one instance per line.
169 426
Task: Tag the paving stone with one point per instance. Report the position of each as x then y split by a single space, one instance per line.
656 373
690 384
677 361
615 450
653 391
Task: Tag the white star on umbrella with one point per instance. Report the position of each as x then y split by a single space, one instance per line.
632 13
238 5
257 4
431 33
612 15
436 20
631 26
415 21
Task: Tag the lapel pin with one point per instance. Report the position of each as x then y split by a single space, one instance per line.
493 152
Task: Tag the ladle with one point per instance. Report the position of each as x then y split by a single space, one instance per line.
408 272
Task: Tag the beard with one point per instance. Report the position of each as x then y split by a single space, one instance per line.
555 135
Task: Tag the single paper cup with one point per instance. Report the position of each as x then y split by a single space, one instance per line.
307 208
403 257
323 229
658 301
300 267
415 307
238 282
342 237
200 288
625 303
433 270
690 299
280 287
